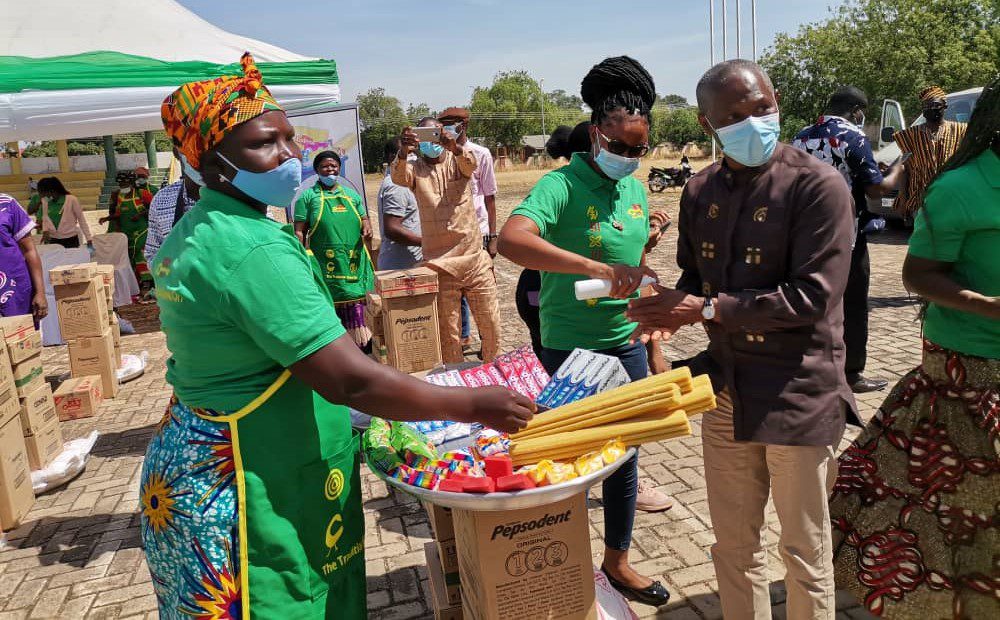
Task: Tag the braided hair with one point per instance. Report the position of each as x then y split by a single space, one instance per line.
618 83
983 130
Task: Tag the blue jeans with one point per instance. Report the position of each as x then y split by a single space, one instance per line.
621 487
465 318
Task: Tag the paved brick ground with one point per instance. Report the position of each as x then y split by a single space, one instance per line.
78 553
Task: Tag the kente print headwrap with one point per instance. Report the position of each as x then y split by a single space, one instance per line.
198 115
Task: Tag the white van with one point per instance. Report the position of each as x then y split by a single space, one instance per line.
960 106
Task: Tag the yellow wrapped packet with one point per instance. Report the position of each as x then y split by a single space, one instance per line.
561 472
612 451
588 463
540 472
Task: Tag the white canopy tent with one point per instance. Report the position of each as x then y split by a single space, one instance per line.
151 47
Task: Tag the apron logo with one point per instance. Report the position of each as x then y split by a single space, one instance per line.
332 538
334 485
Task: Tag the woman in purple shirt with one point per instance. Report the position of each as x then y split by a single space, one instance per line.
21 286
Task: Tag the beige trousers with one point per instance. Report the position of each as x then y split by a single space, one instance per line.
480 289
739 476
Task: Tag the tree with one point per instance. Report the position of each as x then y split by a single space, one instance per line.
382 118
887 48
417 112
678 126
563 100
673 100
511 108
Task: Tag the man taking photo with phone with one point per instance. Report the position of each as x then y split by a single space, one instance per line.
440 178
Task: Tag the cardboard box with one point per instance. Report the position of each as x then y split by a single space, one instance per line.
107 273
20 337
26 347
80 273
446 590
413 340
37 410
45 445
405 282
16 496
442 522
82 308
95 356
28 375
373 314
9 404
531 563
79 397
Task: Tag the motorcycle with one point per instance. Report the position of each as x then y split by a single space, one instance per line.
662 178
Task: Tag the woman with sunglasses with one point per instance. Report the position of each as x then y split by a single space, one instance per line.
590 219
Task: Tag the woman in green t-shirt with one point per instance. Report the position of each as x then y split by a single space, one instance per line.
331 221
916 499
590 220
250 495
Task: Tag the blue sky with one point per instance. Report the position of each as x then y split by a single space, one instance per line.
435 52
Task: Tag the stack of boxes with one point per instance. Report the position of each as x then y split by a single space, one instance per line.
84 295
39 424
442 565
16 495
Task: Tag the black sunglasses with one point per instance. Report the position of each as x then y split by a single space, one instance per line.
620 148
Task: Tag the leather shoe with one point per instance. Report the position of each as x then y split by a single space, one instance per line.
863 384
655 595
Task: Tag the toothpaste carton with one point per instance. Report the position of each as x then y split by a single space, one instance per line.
483 376
526 377
469 377
497 376
610 376
583 374
534 367
510 373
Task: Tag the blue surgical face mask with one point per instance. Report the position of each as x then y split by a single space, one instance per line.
751 141
452 129
190 172
276 187
616 167
330 179
431 149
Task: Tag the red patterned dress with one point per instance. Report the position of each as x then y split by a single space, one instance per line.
915 506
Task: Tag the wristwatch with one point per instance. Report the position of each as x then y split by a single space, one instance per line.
708 308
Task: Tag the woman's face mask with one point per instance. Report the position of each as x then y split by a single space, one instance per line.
275 187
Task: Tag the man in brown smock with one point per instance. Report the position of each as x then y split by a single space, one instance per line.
764 247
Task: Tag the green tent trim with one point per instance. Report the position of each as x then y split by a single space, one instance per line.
117 70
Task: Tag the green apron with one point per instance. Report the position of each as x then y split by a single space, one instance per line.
335 239
136 231
301 523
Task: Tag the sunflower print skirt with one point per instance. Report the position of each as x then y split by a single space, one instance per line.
916 505
188 504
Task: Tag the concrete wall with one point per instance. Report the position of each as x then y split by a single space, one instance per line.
84 163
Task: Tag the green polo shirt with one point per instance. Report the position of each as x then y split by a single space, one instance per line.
960 224
238 303
584 212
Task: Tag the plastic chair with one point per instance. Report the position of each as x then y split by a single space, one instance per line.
112 249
